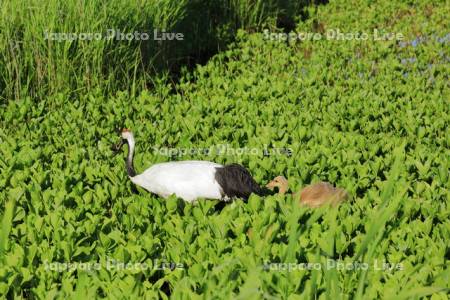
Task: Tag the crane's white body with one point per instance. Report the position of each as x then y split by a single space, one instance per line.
191 179
188 180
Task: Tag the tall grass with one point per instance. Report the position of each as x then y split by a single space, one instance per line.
32 64
392 196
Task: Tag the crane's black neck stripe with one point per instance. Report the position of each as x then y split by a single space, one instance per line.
236 181
130 167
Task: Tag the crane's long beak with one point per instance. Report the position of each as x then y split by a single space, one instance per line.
116 148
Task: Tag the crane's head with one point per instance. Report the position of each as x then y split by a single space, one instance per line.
280 182
126 136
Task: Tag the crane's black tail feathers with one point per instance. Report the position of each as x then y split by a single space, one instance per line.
236 181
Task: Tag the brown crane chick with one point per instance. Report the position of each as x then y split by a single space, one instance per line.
313 195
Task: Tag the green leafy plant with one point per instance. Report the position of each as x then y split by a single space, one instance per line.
363 115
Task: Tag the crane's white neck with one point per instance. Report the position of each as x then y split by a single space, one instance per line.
130 168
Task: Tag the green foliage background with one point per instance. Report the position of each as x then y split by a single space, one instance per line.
31 64
369 116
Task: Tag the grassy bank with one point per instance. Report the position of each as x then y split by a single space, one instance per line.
75 46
